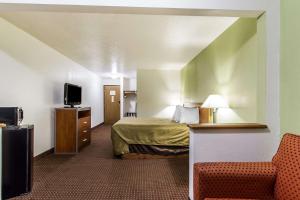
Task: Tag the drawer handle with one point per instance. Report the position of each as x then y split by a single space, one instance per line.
85 131
84 140
85 122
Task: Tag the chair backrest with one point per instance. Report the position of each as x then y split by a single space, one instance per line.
287 162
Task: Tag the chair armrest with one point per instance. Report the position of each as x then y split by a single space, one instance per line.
246 180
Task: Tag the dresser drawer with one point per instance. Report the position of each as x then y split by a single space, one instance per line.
84 139
84 131
84 123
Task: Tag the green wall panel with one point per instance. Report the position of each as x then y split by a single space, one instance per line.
290 67
234 66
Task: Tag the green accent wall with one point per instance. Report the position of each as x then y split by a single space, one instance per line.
234 66
158 92
290 67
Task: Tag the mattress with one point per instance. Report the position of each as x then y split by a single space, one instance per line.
148 131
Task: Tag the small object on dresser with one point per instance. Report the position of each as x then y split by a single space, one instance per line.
11 115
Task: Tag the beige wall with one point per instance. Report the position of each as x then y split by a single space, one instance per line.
234 66
158 92
33 77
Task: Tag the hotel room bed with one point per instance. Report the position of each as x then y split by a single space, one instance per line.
149 136
153 136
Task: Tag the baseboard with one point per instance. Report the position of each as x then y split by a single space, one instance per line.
97 126
44 154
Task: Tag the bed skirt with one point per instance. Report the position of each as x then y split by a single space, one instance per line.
158 149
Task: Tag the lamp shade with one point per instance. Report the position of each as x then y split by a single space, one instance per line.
215 101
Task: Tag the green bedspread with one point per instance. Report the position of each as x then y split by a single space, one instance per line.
147 131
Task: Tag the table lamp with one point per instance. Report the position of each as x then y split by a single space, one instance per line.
215 102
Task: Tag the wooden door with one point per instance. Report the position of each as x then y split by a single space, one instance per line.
111 104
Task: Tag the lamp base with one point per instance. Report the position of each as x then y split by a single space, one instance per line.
214 115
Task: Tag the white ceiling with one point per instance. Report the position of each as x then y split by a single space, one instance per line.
123 43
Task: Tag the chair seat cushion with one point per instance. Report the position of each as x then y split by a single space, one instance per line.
239 180
228 199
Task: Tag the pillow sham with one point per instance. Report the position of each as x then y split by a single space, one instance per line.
189 115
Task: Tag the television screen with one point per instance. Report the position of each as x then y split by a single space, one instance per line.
72 94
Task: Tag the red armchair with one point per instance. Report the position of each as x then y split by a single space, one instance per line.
279 179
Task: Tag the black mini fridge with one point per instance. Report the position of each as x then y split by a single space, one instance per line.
17 160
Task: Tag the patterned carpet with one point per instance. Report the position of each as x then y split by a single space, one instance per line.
95 174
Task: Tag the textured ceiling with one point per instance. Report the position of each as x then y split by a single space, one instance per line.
122 43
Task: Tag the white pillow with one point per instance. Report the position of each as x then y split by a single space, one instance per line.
189 115
177 113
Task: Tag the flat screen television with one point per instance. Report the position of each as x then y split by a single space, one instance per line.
72 94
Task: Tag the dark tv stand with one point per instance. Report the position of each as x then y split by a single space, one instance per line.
72 129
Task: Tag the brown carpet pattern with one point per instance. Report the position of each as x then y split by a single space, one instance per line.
95 174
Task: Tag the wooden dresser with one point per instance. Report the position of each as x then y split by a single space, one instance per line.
72 129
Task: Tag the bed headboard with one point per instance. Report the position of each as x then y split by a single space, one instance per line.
204 113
